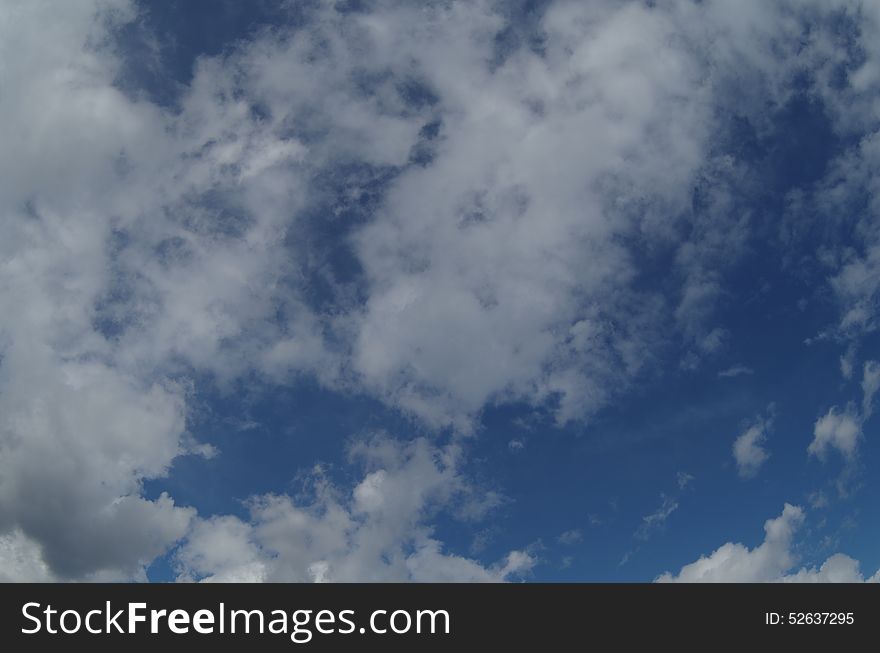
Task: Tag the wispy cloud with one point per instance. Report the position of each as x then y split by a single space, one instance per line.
571 537
736 370
657 519
683 479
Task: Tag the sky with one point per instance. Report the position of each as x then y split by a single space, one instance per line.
480 291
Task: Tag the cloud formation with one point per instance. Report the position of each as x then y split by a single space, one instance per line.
657 519
836 430
377 531
748 448
497 218
736 370
870 386
771 561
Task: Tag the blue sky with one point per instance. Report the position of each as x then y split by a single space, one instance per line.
542 291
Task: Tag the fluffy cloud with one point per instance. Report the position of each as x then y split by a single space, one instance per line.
78 432
377 531
854 280
496 206
836 430
21 560
839 568
748 448
142 245
846 212
493 269
844 430
771 561
497 270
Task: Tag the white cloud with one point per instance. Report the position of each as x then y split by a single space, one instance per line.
845 367
818 499
843 431
377 531
141 244
480 291
736 563
480 287
657 519
870 385
839 568
571 537
854 274
21 560
683 479
836 430
736 370
748 448
771 561
847 363
80 427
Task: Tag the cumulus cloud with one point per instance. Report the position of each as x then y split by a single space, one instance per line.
376 531
495 270
843 430
138 245
839 568
142 245
78 432
855 277
21 560
480 290
494 204
748 448
771 561
836 430
850 194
